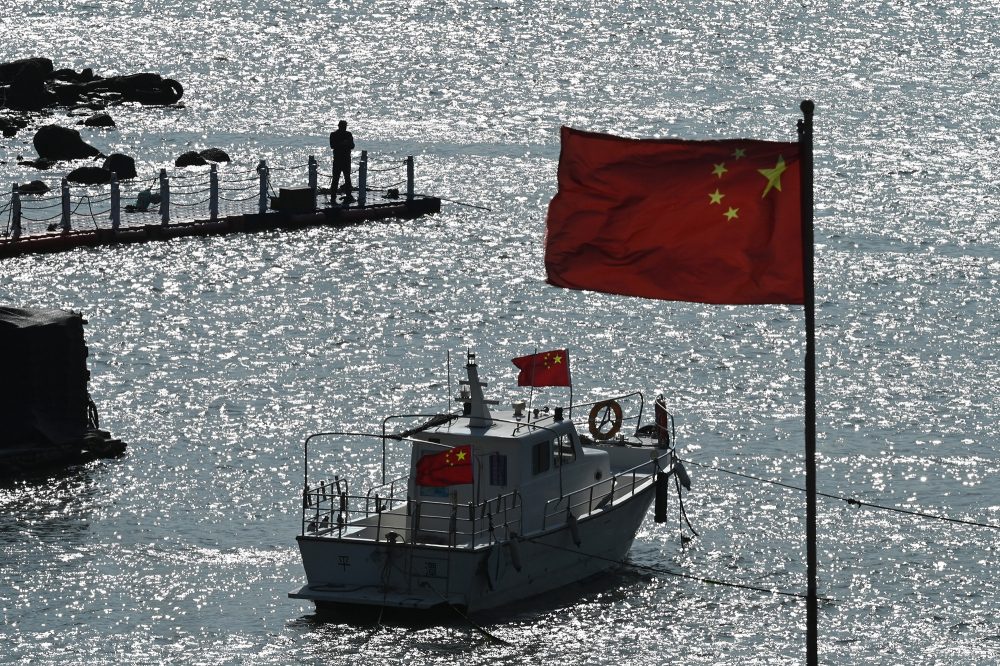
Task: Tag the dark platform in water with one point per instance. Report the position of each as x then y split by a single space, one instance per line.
275 219
46 415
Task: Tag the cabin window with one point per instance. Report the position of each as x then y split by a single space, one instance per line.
540 457
562 450
498 469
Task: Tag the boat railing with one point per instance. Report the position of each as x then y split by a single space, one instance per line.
599 495
385 513
631 412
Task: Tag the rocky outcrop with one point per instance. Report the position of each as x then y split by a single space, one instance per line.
34 187
42 164
122 165
61 143
9 125
31 84
214 155
89 175
146 88
30 68
190 158
99 120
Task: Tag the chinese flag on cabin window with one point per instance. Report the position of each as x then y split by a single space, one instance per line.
549 368
447 468
702 221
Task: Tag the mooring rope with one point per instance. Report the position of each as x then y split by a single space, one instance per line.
678 574
849 500
460 203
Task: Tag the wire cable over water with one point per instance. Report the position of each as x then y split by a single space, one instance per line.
678 574
849 500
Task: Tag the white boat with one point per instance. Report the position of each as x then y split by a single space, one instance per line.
499 505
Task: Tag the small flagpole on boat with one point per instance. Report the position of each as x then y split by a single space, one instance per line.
448 389
531 384
570 377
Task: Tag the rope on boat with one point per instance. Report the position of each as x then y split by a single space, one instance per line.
850 500
385 589
492 637
678 574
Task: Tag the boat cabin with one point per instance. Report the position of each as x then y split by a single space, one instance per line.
516 457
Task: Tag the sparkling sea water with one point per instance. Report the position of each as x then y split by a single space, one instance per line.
214 358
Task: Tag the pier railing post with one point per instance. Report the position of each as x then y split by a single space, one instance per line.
15 213
164 198
116 203
213 193
313 179
66 226
363 179
262 200
409 178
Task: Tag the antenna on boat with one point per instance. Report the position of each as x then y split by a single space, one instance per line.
448 387
475 405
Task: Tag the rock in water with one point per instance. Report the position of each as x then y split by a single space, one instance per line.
99 120
89 175
190 158
61 143
215 155
122 165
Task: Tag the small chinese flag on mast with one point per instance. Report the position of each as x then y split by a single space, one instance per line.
702 221
549 368
448 468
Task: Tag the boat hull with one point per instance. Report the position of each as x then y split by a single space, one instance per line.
344 571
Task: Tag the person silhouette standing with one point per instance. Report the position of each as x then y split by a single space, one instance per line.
342 142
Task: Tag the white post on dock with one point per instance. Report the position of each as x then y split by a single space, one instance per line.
15 213
262 201
409 178
313 179
116 203
363 179
164 198
213 193
65 206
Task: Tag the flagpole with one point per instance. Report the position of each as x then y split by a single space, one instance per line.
806 179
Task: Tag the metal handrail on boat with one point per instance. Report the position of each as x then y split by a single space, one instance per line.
597 495
329 511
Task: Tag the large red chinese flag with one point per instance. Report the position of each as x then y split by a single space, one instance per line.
447 468
703 221
549 368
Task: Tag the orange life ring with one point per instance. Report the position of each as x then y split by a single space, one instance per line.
616 420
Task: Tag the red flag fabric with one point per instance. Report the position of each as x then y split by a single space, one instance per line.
701 221
448 468
549 368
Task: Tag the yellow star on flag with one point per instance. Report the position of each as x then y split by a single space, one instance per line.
739 152
732 213
715 197
773 176
720 169
460 455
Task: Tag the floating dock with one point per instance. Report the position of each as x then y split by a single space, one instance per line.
337 216
240 205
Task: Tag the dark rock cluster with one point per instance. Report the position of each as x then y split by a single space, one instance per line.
32 84
201 158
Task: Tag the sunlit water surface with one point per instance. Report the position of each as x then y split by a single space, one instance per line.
214 358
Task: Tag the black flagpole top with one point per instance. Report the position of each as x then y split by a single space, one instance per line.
807 107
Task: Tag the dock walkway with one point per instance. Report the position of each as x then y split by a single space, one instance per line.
203 201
